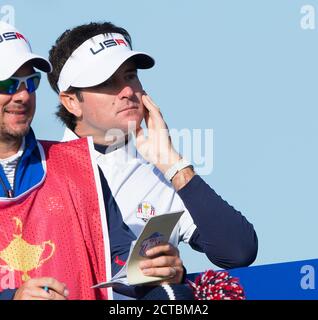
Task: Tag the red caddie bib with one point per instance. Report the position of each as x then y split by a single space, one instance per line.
56 230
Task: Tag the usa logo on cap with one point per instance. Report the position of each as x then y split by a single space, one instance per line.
145 211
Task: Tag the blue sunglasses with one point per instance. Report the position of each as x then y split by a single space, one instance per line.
12 85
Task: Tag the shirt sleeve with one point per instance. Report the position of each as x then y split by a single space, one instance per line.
7 294
222 233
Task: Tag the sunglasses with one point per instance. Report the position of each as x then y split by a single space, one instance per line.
11 85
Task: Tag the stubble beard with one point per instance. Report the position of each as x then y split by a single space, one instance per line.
11 135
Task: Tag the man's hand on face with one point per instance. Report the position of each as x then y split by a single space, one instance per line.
164 261
33 289
157 147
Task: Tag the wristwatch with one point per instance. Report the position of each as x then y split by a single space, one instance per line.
178 166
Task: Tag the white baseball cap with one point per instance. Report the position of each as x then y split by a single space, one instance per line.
15 50
97 59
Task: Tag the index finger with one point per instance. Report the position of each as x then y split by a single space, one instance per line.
51 283
150 105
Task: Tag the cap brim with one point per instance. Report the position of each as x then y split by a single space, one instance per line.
36 61
142 60
41 64
102 70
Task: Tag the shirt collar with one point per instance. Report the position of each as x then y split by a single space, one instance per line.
128 149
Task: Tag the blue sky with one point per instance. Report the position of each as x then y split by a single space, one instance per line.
245 69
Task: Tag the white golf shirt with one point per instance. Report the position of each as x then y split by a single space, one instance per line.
140 189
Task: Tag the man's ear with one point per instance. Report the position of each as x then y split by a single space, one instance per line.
71 103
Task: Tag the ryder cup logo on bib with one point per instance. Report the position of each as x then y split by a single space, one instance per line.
145 211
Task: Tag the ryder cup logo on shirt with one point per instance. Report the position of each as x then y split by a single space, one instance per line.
145 211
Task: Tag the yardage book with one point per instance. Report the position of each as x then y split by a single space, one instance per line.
158 229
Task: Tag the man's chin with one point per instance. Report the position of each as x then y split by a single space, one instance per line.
15 134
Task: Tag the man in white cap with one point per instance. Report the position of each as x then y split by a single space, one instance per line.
95 75
50 249
45 228
18 83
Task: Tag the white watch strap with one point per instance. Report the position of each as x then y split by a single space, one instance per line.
172 171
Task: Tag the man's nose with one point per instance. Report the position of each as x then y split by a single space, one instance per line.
126 92
22 95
